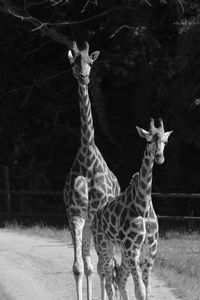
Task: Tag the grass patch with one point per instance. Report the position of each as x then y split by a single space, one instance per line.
40 230
3 294
178 262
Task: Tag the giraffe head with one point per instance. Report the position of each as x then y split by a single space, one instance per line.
156 139
81 62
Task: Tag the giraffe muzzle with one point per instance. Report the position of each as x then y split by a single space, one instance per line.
83 79
159 158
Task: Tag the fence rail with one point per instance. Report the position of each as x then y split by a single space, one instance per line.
8 195
60 193
179 218
32 193
176 195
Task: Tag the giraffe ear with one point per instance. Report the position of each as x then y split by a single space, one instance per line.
70 56
142 132
94 55
167 134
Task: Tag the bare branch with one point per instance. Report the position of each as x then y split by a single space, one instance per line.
51 32
26 99
119 29
57 2
41 26
33 51
86 4
87 20
15 14
35 84
47 27
145 2
38 48
37 3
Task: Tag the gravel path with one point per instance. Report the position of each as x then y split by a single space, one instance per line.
34 268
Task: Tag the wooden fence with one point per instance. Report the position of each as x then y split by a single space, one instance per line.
8 196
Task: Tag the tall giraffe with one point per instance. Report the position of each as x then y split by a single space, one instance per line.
129 221
90 183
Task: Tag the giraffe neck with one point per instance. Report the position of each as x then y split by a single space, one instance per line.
143 197
87 128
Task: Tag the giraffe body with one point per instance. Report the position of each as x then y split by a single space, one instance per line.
129 221
90 183
91 176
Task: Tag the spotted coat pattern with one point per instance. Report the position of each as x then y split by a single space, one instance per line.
128 221
89 185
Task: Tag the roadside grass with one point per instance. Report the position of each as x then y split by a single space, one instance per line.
178 263
3 294
40 230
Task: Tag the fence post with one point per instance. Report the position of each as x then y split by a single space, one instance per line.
8 196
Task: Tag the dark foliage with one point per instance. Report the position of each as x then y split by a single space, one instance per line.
149 67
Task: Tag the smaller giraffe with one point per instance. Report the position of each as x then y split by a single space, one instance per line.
129 222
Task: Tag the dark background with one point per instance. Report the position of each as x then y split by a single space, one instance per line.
149 67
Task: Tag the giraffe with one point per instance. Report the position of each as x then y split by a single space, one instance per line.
90 183
129 222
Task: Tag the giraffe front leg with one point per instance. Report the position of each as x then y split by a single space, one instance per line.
109 282
105 254
105 271
78 268
99 238
140 291
102 278
78 214
151 242
88 268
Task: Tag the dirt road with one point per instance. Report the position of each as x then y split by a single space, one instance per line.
34 268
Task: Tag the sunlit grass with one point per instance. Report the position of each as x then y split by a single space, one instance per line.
40 230
178 261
